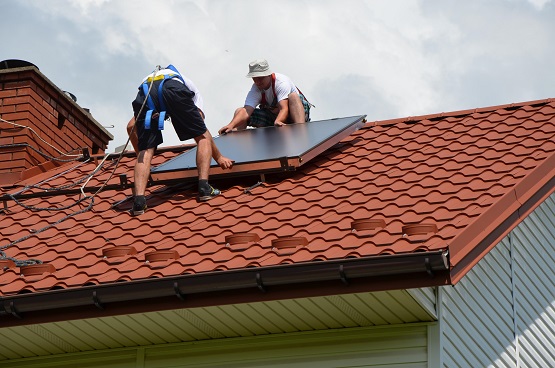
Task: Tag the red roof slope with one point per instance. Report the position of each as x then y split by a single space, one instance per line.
453 181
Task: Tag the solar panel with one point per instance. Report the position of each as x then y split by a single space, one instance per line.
263 150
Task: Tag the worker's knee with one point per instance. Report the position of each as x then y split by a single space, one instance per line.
203 137
296 108
130 126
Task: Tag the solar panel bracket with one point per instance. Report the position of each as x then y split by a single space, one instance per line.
284 163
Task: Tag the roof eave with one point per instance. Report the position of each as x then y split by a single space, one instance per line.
353 275
478 239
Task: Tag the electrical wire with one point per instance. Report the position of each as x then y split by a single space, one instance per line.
39 137
18 262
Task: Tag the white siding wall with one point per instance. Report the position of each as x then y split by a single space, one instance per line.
511 289
534 244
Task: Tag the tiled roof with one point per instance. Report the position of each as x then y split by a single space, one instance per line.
450 181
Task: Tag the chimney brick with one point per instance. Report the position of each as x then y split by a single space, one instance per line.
28 98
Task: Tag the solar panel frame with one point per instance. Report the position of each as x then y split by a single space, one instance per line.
263 150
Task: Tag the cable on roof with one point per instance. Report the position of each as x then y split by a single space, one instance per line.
60 188
20 263
53 189
32 261
39 137
45 155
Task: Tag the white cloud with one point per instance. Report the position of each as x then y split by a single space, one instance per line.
391 59
539 4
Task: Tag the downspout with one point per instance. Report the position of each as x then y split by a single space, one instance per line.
513 300
435 332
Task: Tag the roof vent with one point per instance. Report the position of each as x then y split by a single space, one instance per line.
367 224
6 263
367 227
119 251
241 241
161 255
419 232
15 63
288 245
37 269
419 229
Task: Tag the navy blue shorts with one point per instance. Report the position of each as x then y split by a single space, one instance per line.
185 116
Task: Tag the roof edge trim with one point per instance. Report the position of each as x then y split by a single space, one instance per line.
13 309
466 250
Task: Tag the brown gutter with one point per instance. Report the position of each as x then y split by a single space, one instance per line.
227 287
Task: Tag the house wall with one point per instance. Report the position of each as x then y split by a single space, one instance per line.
501 314
391 346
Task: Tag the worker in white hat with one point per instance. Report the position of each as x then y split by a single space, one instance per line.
273 100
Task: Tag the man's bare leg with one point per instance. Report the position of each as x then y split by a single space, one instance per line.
204 157
132 132
141 174
204 154
296 109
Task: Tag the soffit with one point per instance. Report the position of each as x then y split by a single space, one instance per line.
217 322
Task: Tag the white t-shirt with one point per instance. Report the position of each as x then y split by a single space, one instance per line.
284 86
197 98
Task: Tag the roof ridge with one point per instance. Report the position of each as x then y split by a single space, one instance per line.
458 113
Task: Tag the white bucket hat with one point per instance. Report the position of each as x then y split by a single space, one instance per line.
259 68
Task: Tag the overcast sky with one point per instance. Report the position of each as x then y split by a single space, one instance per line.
382 58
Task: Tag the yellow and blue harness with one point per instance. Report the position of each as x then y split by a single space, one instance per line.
173 73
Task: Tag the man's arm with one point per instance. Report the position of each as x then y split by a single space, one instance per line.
224 162
283 107
239 121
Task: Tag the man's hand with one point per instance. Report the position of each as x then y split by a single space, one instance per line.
224 130
279 123
224 162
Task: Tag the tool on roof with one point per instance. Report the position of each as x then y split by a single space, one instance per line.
260 183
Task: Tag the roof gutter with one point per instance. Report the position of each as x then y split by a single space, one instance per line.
17 309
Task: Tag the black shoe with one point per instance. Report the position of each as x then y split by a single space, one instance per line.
139 206
207 194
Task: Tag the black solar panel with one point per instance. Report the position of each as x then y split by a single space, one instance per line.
265 149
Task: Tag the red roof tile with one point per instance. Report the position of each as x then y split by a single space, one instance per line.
455 173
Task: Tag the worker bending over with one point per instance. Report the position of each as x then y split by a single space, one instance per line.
171 95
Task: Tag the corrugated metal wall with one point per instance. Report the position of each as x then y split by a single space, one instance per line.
534 244
511 289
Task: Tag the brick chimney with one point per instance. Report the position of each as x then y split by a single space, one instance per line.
30 99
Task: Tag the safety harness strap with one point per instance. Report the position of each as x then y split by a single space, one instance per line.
263 102
150 103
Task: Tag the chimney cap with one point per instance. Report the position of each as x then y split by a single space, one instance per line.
15 63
